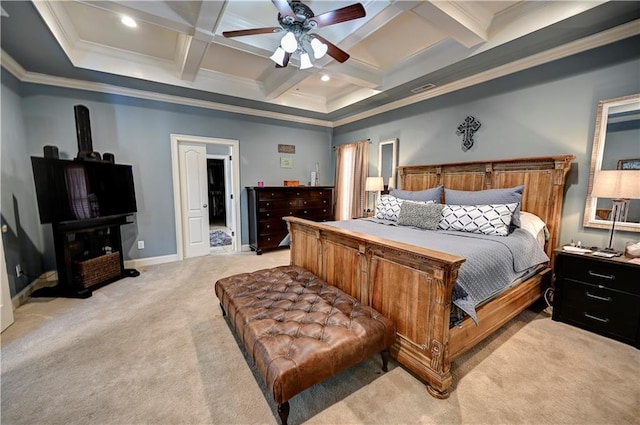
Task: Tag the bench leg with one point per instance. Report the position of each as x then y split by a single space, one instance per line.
224 313
283 411
385 359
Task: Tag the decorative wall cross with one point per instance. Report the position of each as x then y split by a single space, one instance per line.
467 129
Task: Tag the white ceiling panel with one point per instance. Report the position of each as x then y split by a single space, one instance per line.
397 44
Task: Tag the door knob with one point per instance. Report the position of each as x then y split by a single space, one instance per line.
204 206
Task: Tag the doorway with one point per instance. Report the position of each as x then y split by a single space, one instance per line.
220 230
189 155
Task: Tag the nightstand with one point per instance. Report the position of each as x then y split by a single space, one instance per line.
598 294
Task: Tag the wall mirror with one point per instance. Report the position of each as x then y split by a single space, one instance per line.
616 145
387 162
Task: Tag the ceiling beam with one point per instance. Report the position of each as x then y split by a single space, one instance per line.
277 81
191 49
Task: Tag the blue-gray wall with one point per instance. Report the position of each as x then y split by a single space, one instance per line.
531 113
138 133
543 111
22 240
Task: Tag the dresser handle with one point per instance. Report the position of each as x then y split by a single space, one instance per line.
597 297
596 318
604 276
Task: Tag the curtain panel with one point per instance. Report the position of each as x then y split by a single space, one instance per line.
352 166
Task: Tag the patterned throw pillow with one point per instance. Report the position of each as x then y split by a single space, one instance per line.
487 197
388 207
423 216
485 219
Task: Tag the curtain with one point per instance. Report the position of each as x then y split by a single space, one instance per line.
352 166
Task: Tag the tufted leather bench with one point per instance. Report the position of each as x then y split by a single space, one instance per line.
299 330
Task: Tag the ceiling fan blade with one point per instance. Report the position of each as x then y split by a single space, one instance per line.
347 13
284 8
253 31
285 61
333 50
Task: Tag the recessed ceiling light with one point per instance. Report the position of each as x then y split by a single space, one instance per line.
325 77
128 22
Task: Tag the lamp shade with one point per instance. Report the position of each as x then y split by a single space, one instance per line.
319 48
374 184
305 61
617 184
392 183
289 42
278 56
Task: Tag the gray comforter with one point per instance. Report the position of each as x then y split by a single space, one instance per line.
492 262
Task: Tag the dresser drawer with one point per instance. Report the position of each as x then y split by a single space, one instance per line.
272 226
602 310
277 204
265 195
272 240
313 213
609 275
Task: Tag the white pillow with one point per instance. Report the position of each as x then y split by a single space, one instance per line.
534 225
388 207
485 219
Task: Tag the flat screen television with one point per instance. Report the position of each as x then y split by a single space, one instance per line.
70 190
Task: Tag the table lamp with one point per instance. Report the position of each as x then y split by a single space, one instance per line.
620 186
374 184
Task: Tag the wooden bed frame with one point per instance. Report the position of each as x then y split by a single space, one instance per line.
413 286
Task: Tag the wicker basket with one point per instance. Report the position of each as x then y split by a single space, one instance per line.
96 270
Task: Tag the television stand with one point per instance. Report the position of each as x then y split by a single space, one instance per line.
88 256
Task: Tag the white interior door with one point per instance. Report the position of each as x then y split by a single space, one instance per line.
5 296
193 194
231 205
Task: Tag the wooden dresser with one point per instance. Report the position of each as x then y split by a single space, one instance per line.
267 206
598 294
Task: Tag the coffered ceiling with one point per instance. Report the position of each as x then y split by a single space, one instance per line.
401 50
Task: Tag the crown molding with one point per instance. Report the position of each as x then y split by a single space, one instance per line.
618 33
621 32
34 78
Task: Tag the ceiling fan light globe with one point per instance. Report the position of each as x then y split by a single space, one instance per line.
278 56
305 61
289 42
319 48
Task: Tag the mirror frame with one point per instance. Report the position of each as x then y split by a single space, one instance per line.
599 140
394 159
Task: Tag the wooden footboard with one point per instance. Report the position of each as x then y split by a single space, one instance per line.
413 286
410 285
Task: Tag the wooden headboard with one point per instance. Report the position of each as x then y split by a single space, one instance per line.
543 179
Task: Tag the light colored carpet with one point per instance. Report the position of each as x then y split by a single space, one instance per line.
155 350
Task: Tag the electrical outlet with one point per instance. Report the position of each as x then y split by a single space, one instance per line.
18 270
140 244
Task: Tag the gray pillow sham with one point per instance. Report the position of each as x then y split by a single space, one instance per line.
487 197
423 216
433 194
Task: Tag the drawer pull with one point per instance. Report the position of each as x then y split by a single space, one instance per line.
596 318
604 276
597 297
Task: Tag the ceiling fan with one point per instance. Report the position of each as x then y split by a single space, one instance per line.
297 20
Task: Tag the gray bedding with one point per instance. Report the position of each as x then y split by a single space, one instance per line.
492 262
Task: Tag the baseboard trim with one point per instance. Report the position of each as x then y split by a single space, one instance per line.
150 261
45 279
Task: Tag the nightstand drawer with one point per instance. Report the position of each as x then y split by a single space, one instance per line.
601 310
609 275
